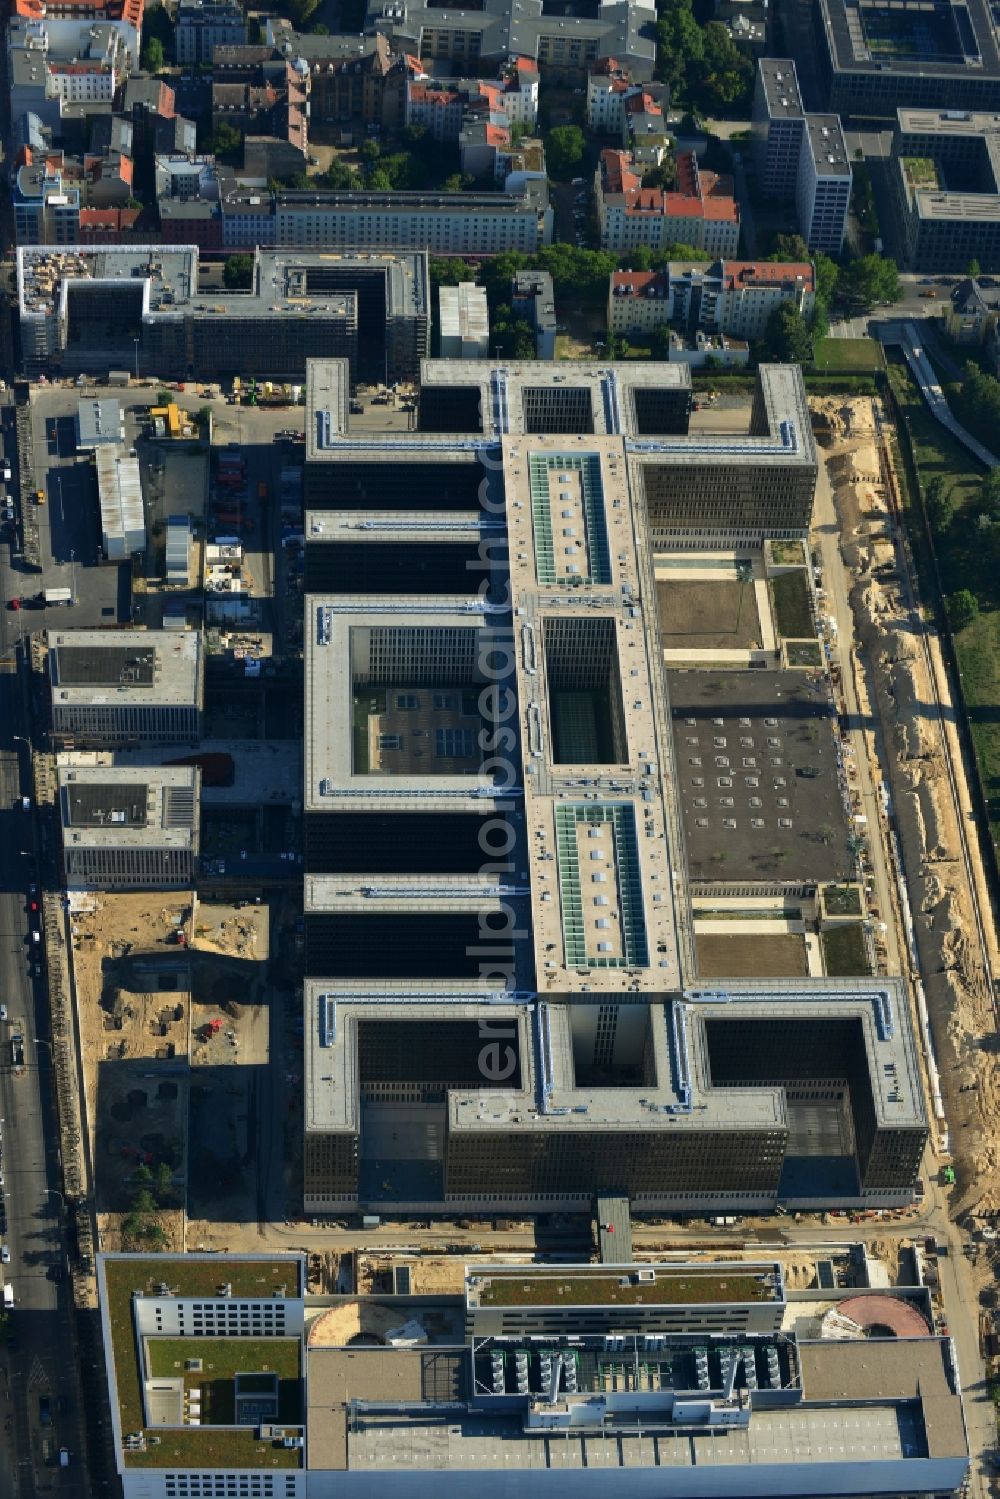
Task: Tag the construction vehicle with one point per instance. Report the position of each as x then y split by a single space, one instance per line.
210 1028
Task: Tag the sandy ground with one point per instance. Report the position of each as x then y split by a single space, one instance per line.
150 1010
955 978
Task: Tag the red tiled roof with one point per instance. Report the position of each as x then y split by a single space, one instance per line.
761 272
698 195
497 136
111 10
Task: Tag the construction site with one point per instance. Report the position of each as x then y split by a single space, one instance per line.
942 908
174 1025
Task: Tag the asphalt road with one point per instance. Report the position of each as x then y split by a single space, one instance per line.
37 1362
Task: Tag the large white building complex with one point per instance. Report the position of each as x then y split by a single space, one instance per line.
499 962
694 1380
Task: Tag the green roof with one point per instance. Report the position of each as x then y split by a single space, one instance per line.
189 1275
685 1288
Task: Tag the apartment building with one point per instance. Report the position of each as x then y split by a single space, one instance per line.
801 157
46 207
442 106
432 912
203 25
701 211
562 45
527 1384
66 25
732 297
473 223
129 828
945 170
84 311
120 687
608 86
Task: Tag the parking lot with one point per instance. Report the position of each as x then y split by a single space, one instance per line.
69 520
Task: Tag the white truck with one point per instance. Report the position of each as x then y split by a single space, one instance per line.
55 596
8 1294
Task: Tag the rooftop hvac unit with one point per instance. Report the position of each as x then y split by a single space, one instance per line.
646 1277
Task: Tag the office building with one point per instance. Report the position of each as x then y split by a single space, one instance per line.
532 297
563 46
945 170
801 157
465 321
225 1377
495 923
823 187
138 307
732 297
118 687
875 59
131 829
202 25
701 210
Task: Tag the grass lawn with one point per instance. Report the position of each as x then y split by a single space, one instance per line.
845 356
844 952
790 596
191 1447
842 900
596 1290
222 1359
804 653
978 646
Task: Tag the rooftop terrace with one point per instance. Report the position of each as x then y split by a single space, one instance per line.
688 1285
188 1276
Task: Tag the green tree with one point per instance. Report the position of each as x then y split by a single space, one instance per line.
962 608
164 1186
664 175
977 404
153 56
939 506
237 273
680 47
300 12
565 149
512 337
869 280
339 176
448 272
787 337
724 75
973 269
225 140
789 247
